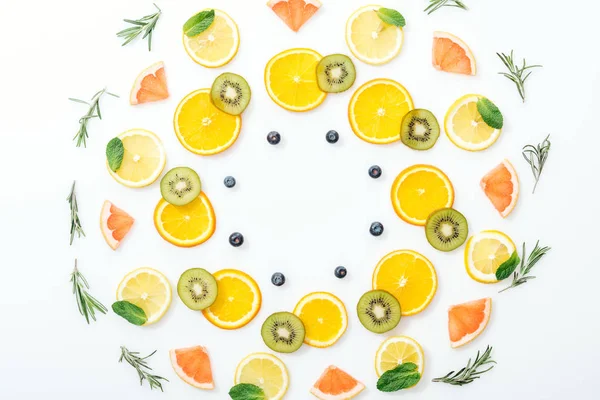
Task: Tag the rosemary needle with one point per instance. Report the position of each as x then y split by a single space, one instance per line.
144 25
471 372
141 366
437 4
515 73
86 303
75 222
522 275
536 157
93 112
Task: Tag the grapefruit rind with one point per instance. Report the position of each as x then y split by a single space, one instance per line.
105 214
137 85
460 43
514 179
348 394
186 378
469 337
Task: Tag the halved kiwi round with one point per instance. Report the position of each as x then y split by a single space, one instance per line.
230 93
335 73
420 129
283 332
197 288
180 186
446 229
379 311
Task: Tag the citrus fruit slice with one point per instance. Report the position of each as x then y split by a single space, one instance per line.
185 226
370 39
201 127
265 371
409 276
335 384
376 110
420 190
397 350
143 160
466 321
450 54
114 224
217 45
294 12
324 317
485 252
148 289
238 301
466 128
192 364
150 85
291 80
501 186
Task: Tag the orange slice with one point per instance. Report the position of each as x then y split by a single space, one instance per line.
150 85
501 186
114 224
192 365
294 12
450 54
324 317
467 321
335 384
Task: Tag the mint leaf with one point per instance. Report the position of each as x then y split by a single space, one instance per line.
390 16
246 391
403 376
508 267
114 153
490 113
130 312
199 23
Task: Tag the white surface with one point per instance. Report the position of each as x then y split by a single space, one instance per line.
304 206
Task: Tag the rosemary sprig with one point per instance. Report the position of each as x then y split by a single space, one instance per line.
93 112
516 73
437 4
142 368
536 157
471 372
75 222
86 303
144 25
522 275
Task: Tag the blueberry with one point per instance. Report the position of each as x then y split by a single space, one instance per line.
236 239
376 229
340 272
332 137
274 137
375 171
278 279
229 181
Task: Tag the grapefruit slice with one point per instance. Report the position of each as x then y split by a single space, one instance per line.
192 364
450 54
335 384
150 85
114 224
294 12
501 186
466 321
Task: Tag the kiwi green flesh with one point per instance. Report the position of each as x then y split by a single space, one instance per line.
335 73
379 311
230 93
446 229
283 332
197 288
180 186
420 129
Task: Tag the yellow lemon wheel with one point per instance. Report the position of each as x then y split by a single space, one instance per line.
398 350
148 289
485 252
265 371
465 126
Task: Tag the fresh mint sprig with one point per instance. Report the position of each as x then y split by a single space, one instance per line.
403 376
199 23
490 114
391 17
114 153
247 391
129 311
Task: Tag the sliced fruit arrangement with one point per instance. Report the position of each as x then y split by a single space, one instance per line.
397 350
466 127
335 73
192 365
230 93
294 13
180 186
283 332
335 384
197 289
420 129
114 224
217 44
485 252
446 229
501 186
466 321
324 317
378 311
150 85
451 54
148 289
265 371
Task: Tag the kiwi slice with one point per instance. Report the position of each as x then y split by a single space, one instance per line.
420 129
180 186
230 93
378 311
446 229
197 288
335 73
283 332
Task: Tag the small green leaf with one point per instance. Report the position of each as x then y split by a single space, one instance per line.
490 114
114 153
508 267
130 312
390 16
199 23
246 391
403 376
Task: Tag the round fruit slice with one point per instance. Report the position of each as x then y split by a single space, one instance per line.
397 350
420 129
485 252
409 276
335 384
371 40
446 229
143 160
114 224
201 127
238 300
466 128
501 186
180 186
192 364
420 190
376 110
335 73
217 45
150 85
324 317
467 321
148 289
197 288
294 12
265 371
378 311
188 225
450 54
291 80
230 93
283 332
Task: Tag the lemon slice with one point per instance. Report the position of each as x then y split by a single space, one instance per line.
485 252
324 317
217 45
265 371
465 126
397 350
148 289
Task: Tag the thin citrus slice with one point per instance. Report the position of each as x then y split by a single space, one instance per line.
324 317
294 13
148 289
291 79
371 40
485 252
335 384
466 321
450 54
376 110
265 371
114 224
150 85
420 190
185 226
238 301
466 128
409 276
398 350
217 45
143 160
501 186
192 364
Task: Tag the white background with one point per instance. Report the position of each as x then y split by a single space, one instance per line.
304 206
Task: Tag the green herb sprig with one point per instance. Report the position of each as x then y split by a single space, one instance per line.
144 25
435 5
86 303
471 372
129 311
141 366
93 112
247 391
198 23
516 74
536 157
522 275
391 17
403 376
75 222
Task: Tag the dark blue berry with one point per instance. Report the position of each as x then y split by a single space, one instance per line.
375 171
332 137
236 239
340 272
229 181
274 137
376 229
278 279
